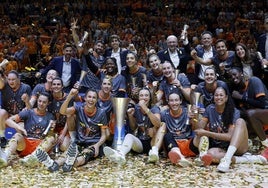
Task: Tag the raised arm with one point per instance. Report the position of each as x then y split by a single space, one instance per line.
74 33
154 118
64 110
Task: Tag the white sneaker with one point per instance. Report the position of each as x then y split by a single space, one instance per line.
265 143
114 155
224 165
29 161
153 156
258 159
184 162
203 145
198 162
3 159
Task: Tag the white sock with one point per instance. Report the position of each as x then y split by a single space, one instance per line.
131 142
155 148
126 146
177 150
7 152
240 159
72 135
230 152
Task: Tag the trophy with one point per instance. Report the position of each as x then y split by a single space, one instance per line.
49 128
196 101
177 71
259 56
57 146
4 63
82 75
134 81
120 108
82 41
201 101
144 79
189 106
183 34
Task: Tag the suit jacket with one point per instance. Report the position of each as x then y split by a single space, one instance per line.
123 55
261 48
261 44
200 52
57 64
184 55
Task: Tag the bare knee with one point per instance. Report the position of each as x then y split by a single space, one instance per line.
129 136
18 136
240 123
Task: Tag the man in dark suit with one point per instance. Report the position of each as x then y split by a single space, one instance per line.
178 56
205 50
263 48
115 51
67 67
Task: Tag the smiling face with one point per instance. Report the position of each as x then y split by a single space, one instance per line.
221 48
51 74
237 76
106 85
172 43
115 43
110 66
220 97
240 51
168 70
68 51
174 102
57 85
154 62
91 99
131 60
144 94
98 48
42 103
206 40
210 76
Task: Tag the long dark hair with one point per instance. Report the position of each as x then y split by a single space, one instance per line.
248 59
228 113
136 58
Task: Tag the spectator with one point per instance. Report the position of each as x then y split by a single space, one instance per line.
67 67
179 57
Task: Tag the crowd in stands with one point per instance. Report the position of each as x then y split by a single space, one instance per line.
45 25
195 74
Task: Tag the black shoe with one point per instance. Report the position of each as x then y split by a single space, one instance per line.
90 155
3 142
71 157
